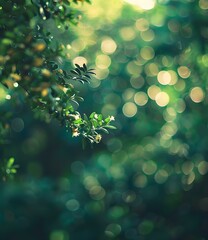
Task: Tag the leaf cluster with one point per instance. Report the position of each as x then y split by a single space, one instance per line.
30 68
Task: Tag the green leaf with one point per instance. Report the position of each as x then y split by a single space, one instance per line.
107 120
78 121
95 123
85 117
104 130
100 117
13 170
110 127
92 115
10 162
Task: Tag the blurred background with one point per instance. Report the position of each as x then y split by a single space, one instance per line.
147 179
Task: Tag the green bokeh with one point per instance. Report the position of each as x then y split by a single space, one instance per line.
147 179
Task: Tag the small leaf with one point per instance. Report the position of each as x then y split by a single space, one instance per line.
78 71
10 162
79 98
87 76
94 123
107 120
85 67
78 121
85 117
74 72
104 130
100 117
13 170
77 65
110 127
91 72
92 115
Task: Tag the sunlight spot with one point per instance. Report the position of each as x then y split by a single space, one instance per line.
103 61
148 35
128 94
140 181
191 178
108 46
109 109
197 94
80 60
147 53
149 167
180 85
129 109
161 176
143 4
112 230
203 4
101 73
140 98
162 99
151 69
8 97
203 167
187 167
137 82
72 205
133 69
78 45
142 24
184 72
153 91
127 33
164 77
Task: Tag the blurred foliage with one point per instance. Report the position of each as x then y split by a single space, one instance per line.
148 180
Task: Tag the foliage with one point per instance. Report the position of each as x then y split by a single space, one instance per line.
32 66
147 181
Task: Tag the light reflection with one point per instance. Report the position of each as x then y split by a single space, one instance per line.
80 60
137 82
203 4
197 95
142 24
161 176
180 105
203 167
162 99
101 73
140 181
187 167
164 77
149 167
112 230
77 45
128 94
127 33
141 98
129 109
148 35
133 68
108 46
145 5
103 61
184 72
153 91
147 53
151 69
180 85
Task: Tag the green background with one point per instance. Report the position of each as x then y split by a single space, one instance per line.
148 178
